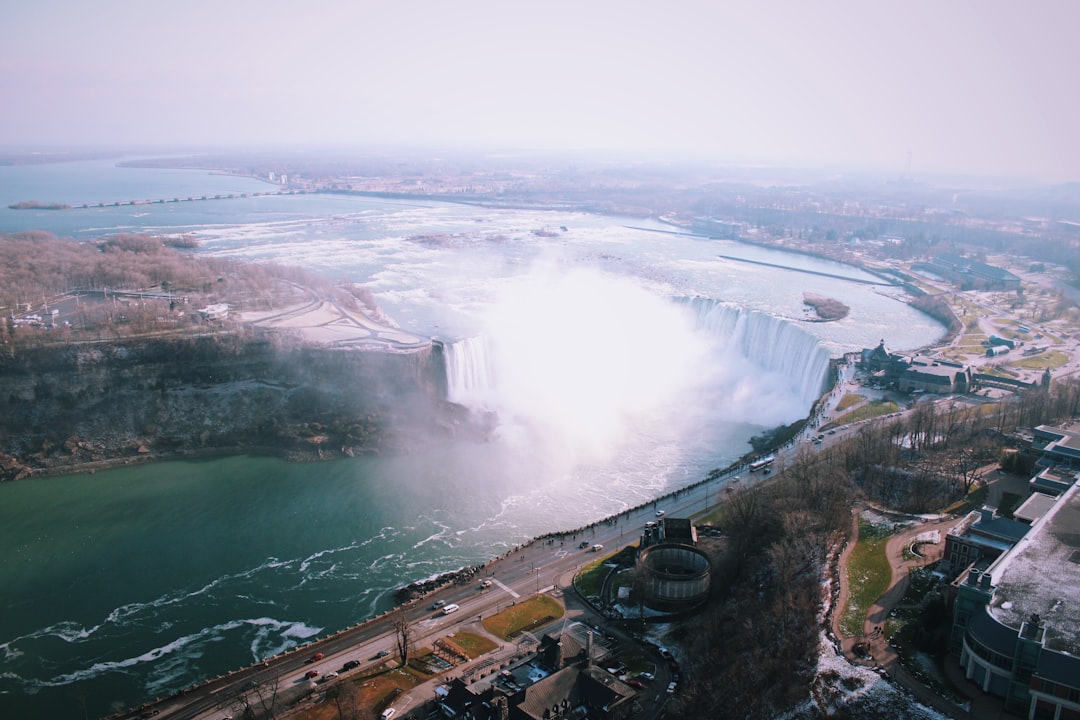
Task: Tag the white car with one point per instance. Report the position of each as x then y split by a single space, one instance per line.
659 513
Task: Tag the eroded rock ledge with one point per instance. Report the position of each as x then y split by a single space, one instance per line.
85 406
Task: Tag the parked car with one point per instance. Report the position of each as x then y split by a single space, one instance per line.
635 684
671 688
647 676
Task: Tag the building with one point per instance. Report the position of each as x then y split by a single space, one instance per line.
971 274
1058 447
1016 624
572 687
981 536
879 359
934 376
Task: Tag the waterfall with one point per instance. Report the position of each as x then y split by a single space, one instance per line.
469 374
775 345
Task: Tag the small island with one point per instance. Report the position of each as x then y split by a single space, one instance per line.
826 309
35 205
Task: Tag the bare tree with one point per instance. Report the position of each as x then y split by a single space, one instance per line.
967 465
347 701
403 633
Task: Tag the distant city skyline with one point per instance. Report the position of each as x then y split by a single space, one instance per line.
969 87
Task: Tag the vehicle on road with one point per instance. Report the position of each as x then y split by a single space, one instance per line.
659 513
763 463
583 544
597 548
351 665
315 657
311 674
382 653
387 714
437 604
485 584
451 608
671 688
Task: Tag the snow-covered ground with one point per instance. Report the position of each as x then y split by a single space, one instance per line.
856 691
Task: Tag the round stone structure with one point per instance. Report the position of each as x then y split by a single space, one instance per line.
673 577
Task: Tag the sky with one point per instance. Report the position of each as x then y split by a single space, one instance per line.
982 87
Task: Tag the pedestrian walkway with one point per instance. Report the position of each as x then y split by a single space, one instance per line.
872 647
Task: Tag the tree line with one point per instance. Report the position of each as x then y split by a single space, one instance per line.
753 651
40 268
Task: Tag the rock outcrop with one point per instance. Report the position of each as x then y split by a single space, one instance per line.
69 408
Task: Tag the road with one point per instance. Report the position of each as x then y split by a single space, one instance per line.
542 566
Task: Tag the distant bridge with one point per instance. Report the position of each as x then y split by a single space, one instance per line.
190 198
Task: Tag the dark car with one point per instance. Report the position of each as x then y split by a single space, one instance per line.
311 674
351 665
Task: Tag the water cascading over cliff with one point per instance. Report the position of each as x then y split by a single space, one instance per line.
773 344
772 352
469 372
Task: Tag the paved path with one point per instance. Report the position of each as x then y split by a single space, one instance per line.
873 639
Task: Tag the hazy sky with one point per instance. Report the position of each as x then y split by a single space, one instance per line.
981 86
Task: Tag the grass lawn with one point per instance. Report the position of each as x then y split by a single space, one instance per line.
591 577
1052 359
523 616
868 576
872 409
849 400
375 692
473 644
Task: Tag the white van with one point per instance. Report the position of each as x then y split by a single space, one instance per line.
451 608
387 714
597 548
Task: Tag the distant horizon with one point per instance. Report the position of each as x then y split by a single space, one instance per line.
981 88
676 159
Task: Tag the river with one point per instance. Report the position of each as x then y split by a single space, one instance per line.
623 362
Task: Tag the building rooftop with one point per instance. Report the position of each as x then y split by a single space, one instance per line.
1041 576
1034 507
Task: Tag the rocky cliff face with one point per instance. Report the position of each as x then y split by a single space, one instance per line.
62 408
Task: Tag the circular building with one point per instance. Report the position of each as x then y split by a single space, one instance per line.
672 577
